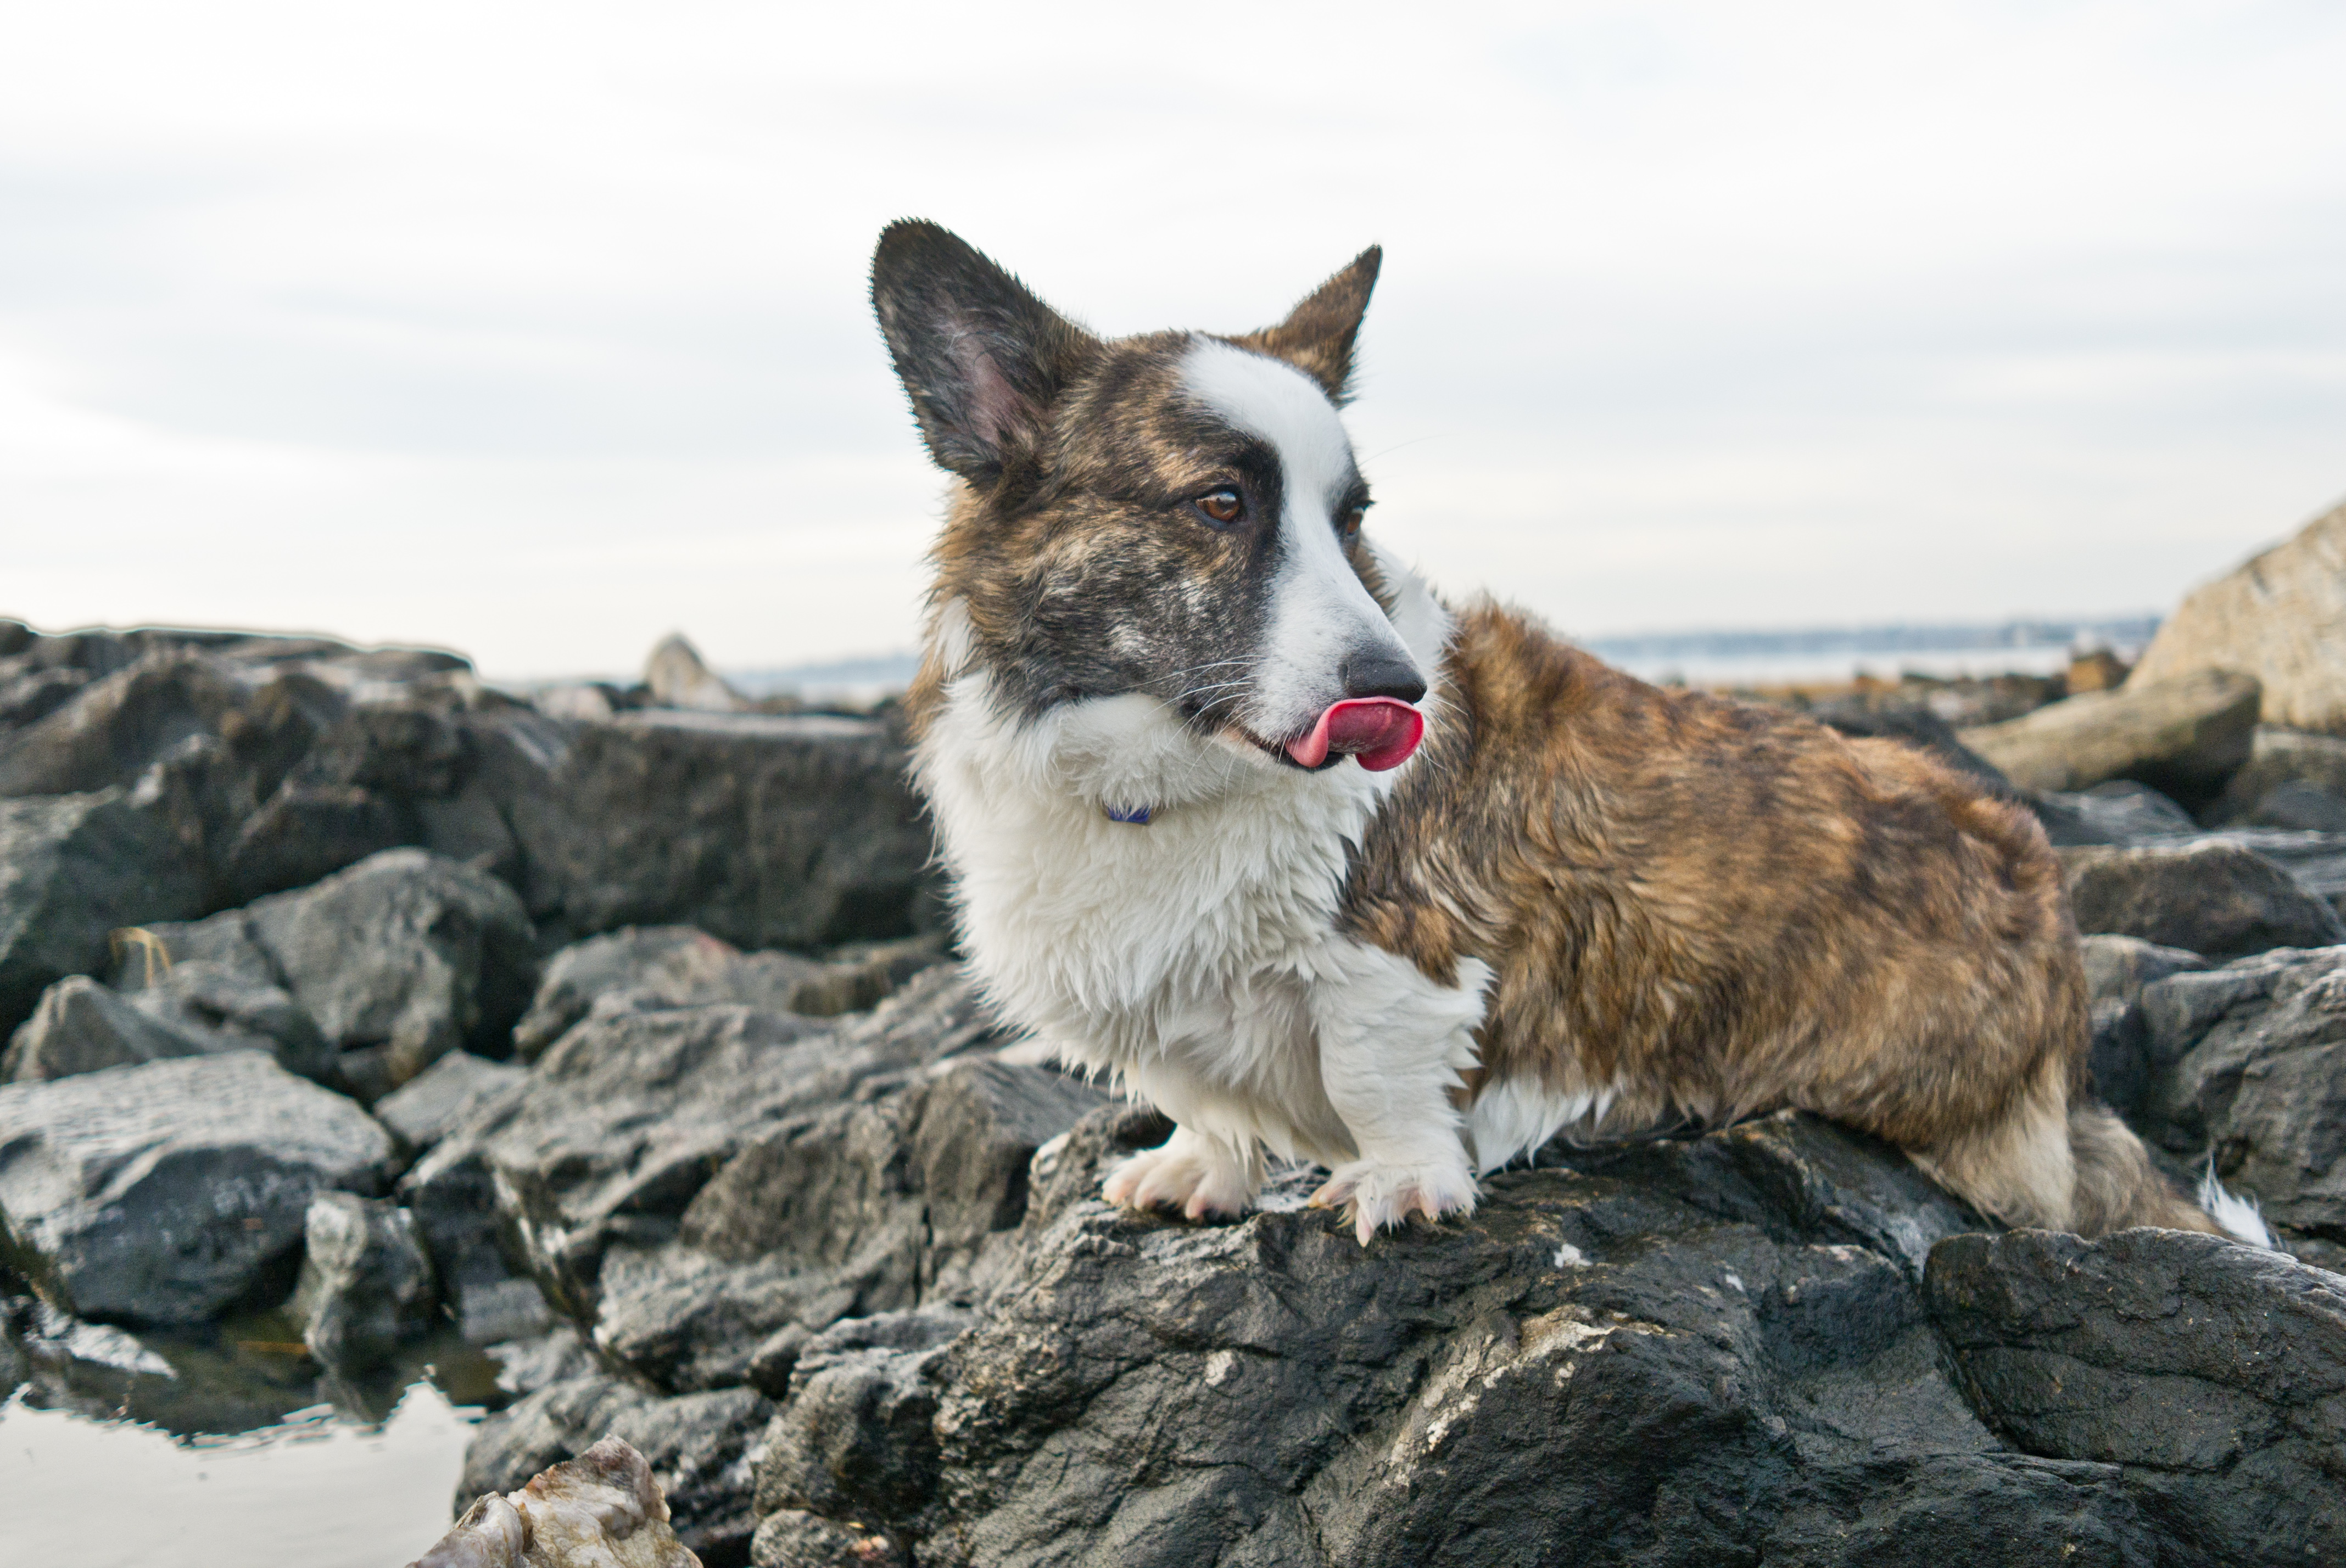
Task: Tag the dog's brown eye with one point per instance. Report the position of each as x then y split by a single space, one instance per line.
1222 507
1349 524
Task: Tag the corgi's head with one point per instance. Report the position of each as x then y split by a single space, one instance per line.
1172 519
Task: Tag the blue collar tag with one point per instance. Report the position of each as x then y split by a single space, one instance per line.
1136 815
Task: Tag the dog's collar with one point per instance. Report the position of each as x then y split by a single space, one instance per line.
1136 815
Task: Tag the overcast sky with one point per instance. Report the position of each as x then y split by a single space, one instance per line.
539 329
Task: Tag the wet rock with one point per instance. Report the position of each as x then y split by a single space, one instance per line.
912 1199
2249 1062
402 959
2280 616
2118 968
2184 738
2212 1375
81 1026
792 1538
444 1096
365 1285
453 1194
2280 760
556 1356
73 867
678 677
163 1193
767 831
2119 812
602 1510
699 1448
2207 897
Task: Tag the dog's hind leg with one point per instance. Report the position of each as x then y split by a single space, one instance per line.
2017 1166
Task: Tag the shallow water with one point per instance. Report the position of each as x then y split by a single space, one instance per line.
319 1489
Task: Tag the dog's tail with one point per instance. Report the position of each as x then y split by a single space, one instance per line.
2117 1186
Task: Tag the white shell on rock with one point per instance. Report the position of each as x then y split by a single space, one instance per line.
601 1510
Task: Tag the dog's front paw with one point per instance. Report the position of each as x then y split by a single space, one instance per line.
1194 1174
1377 1195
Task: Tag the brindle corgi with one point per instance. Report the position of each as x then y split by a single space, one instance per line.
1241 814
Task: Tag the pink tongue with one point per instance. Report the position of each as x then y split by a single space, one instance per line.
1377 730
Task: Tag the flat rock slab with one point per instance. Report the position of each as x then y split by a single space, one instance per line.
2212 1374
2184 738
161 1193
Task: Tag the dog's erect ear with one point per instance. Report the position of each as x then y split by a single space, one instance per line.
1317 336
983 359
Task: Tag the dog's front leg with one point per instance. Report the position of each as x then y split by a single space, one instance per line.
1393 1044
1193 1172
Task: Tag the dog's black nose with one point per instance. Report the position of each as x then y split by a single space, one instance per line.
1377 675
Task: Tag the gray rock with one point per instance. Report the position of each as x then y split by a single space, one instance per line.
909 1200
444 1096
308 832
163 1193
402 959
365 1284
2184 738
602 1510
768 832
453 1195
2118 968
74 868
2249 1062
118 726
2207 897
792 1538
228 1003
81 1026
2119 812
858 1434
2212 1375
1916 726
700 1449
677 677
2296 806
556 1356
2279 758
662 966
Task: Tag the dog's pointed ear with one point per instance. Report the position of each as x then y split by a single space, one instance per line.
1317 336
981 358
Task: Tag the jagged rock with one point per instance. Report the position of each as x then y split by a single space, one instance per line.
908 1200
2184 738
659 966
2118 968
767 831
857 1429
2249 1061
365 1284
678 677
117 728
2207 897
2280 616
602 1510
2212 1375
444 1096
791 1538
2277 759
308 832
556 1356
453 1194
162 1193
699 1448
73 867
81 1026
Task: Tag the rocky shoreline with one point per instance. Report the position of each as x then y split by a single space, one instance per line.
603 1051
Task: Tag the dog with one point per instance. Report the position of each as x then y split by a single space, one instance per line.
1240 814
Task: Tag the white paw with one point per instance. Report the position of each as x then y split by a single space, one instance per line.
1378 1195
1194 1174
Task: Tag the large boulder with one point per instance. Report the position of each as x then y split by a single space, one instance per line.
2279 616
699 1449
2207 897
164 1193
1724 1336
73 869
2184 738
2211 1375
2247 1063
82 1026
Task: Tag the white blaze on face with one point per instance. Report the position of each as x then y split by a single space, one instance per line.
1319 611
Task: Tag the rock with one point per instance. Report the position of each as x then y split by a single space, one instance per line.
2184 738
2212 1375
444 1096
663 966
699 1449
117 728
2297 806
791 1538
308 831
453 1194
232 1005
1919 727
2095 669
857 1436
365 1285
74 868
580 702
556 1356
627 1118
2280 758
2211 898
2279 616
164 1193
679 679
402 959
766 831
81 1026
2249 1062
911 1200
2119 812
2118 968
602 1510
